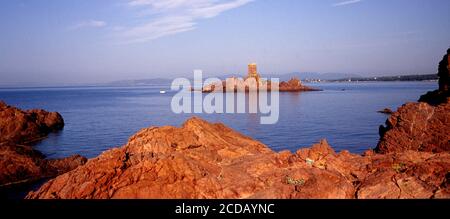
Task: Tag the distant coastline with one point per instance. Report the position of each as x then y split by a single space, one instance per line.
429 77
304 77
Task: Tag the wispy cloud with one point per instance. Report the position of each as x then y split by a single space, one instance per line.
88 24
168 17
344 3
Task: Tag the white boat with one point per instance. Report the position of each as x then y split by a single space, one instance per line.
162 92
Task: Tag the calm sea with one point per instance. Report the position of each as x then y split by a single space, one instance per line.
99 118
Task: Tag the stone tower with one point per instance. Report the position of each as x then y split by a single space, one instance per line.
253 72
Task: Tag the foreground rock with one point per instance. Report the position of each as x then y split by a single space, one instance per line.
203 160
443 93
21 127
418 127
20 163
423 126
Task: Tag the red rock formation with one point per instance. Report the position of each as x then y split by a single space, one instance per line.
20 163
293 85
422 126
17 126
203 160
444 73
418 127
443 93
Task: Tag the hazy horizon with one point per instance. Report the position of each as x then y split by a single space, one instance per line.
87 42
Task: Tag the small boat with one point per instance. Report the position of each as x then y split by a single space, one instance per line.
162 92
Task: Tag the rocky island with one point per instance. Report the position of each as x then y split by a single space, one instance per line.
257 83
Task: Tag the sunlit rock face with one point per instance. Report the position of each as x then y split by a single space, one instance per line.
418 127
422 126
204 160
18 126
20 163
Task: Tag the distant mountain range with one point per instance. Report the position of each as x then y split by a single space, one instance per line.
283 77
141 82
304 76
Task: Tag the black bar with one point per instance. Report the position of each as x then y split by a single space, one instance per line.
274 208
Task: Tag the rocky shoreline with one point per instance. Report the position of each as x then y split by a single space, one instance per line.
204 160
19 162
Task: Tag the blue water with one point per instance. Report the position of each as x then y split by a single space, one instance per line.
99 118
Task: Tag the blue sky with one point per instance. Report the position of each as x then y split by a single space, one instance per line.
90 41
